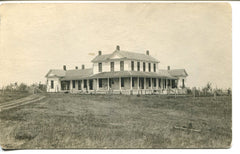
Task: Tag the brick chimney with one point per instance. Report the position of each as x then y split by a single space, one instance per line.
168 67
76 67
99 53
64 67
83 67
118 47
147 52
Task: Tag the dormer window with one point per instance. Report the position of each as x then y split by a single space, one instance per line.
149 67
112 66
154 67
121 65
138 66
132 65
99 67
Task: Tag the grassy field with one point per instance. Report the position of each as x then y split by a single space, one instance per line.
8 95
118 121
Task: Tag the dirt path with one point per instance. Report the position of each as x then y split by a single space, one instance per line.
21 101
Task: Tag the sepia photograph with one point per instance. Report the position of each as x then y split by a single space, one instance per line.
115 76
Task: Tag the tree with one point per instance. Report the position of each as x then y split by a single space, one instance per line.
207 88
22 87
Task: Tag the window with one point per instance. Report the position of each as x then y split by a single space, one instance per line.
183 84
132 65
73 83
52 84
85 84
100 83
121 65
79 85
132 82
112 66
144 66
122 82
99 67
149 82
138 66
154 82
159 83
154 67
149 67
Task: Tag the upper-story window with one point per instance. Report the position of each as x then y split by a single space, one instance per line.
121 65
132 65
112 66
149 67
144 66
154 67
138 66
52 84
99 67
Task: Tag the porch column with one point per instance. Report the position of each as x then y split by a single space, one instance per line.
161 84
157 86
108 83
87 84
119 80
166 83
71 86
130 83
138 83
97 84
145 84
151 83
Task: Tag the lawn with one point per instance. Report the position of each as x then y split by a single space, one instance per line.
118 121
12 95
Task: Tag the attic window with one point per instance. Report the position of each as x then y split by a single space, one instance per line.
154 67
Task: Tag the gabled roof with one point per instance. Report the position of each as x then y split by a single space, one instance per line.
78 74
164 73
56 72
126 55
178 72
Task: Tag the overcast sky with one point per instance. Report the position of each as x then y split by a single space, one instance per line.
37 37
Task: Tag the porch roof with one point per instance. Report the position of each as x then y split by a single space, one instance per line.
131 74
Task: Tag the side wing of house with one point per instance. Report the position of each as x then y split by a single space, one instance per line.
54 80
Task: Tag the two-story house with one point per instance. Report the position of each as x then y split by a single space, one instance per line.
120 72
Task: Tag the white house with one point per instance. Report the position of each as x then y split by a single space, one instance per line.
120 72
